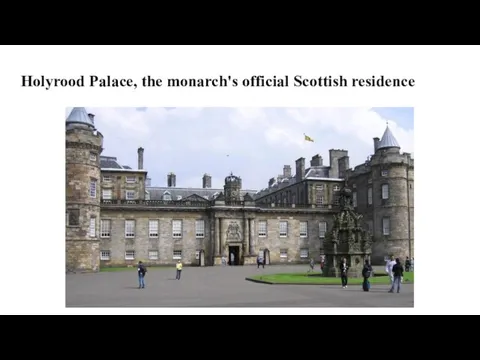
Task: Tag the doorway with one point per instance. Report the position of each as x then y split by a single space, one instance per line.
266 256
234 255
202 258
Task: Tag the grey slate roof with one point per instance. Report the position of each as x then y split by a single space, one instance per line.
156 193
109 162
79 115
388 140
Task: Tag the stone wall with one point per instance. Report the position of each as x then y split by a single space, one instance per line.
83 149
165 244
118 183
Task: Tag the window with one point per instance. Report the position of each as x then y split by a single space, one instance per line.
283 253
385 192
93 156
283 228
107 178
319 195
369 181
386 226
262 228
129 228
105 255
199 228
177 254
93 189
105 228
91 230
131 179
336 188
354 186
153 228
336 200
153 255
130 255
354 199
167 196
177 228
303 253
107 194
179 197
303 229
130 195
322 229
73 217
384 173
370 196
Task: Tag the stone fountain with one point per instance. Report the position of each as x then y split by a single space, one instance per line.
347 239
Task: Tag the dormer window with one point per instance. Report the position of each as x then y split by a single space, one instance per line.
179 197
336 188
167 196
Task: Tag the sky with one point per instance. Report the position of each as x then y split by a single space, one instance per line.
253 143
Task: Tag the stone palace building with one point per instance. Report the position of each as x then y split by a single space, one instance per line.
114 217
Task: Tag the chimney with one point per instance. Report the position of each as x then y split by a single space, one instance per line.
92 117
287 171
140 158
376 140
300 169
207 181
316 161
171 180
271 182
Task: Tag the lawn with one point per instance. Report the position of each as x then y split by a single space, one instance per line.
302 278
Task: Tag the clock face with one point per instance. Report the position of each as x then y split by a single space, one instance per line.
234 193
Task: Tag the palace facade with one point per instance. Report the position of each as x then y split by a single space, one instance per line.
114 217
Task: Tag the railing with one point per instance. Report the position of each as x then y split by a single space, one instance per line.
158 203
207 203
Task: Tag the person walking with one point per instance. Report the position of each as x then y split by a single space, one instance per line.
312 265
344 273
389 268
142 270
366 273
260 262
397 276
179 270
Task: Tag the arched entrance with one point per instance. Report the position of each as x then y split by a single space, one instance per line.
266 256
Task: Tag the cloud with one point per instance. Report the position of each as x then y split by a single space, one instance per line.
259 141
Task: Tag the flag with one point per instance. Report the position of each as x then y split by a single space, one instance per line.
308 138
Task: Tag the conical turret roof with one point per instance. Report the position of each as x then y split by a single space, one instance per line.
388 140
79 115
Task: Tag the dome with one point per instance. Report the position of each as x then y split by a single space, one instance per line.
79 115
388 140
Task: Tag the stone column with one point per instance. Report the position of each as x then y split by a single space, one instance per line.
223 234
252 236
246 236
217 236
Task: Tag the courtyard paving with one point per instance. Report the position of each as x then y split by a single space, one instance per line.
220 287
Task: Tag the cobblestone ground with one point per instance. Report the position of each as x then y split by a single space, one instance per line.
220 287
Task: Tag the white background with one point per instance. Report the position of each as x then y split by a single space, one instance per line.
445 98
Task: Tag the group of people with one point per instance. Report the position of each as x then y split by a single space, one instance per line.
142 271
394 269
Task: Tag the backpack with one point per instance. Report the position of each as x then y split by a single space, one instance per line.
367 272
143 269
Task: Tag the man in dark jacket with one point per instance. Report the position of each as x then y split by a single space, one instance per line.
397 271
142 270
366 273
344 273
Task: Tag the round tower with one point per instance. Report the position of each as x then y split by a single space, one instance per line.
232 187
392 173
83 149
